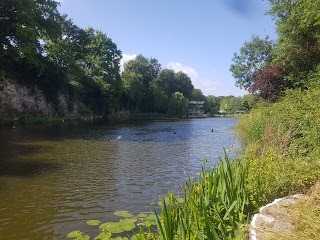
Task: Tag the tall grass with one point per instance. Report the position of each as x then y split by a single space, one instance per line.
216 206
283 144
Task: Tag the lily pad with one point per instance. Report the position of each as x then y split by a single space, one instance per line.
152 217
93 222
116 230
133 219
103 236
85 237
147 224
127 225
107 225
125 214
142 215
74 234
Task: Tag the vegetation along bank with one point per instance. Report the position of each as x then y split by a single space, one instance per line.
51 67
79 70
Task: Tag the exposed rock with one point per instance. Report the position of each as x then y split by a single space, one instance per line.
273 217
17 100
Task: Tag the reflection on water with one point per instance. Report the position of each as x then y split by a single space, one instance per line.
53 179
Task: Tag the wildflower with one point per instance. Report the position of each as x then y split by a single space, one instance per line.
197 188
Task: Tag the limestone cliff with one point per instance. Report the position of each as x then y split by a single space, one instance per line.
17 100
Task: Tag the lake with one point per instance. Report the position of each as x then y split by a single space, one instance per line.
55 178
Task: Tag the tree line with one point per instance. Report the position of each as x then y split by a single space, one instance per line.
268 67
43 48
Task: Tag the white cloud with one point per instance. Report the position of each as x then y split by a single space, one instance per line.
207 86
126 58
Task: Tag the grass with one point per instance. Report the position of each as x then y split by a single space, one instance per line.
6 122
282 152
216 206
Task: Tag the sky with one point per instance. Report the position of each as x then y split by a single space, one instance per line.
196 37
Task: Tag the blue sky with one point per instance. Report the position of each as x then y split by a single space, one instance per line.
196 37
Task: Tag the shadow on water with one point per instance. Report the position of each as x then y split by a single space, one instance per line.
11 165
27 169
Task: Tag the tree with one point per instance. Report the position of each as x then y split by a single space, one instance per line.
146 70
250 100
281 9
167 83
230 104
68 52
183 84
269 83
298 26
23 24
102 66
212 105
253 57
197 95
178 104
162 89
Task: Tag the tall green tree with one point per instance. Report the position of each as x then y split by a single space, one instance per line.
178 105
167 83
102 66
162 89
197 95
183 84
68 52
23 24
212 105
298 26
253 57
141 71
230 104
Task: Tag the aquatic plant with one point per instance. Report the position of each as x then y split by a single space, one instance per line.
127 225
216 206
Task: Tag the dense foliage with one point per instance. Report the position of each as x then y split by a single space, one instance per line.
281 139
268 69
45 49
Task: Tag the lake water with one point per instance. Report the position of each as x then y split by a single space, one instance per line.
55 178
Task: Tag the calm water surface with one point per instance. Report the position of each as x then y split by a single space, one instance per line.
55 178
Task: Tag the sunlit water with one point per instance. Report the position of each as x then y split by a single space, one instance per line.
55 178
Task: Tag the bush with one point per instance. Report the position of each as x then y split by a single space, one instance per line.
282 144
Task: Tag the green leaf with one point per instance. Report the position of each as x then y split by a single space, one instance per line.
127 225
125 214
86 237
103 236
93 222
142 215
112 227
152 217
116 230
74 234
147 224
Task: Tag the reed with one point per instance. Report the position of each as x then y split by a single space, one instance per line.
215 206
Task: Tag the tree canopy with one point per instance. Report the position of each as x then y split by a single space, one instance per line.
253 57
269 68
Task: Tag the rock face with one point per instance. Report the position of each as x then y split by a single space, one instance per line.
273 218
17 100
